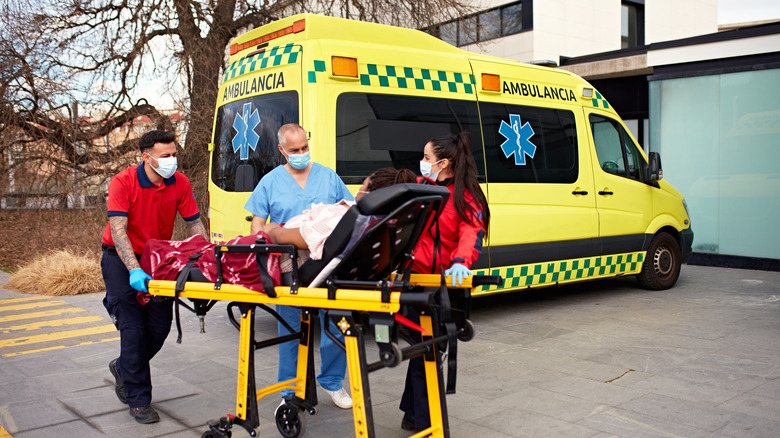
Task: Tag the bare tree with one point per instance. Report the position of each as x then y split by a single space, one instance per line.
99 51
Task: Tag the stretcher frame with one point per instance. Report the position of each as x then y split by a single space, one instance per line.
356 309
363 285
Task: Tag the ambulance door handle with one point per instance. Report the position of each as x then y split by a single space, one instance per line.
248 218
605 193
579 192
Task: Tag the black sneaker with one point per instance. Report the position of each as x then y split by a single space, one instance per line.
119 387
145 415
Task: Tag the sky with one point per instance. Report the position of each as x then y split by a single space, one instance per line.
740 11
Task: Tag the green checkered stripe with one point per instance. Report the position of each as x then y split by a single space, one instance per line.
319 67
390 76
275 56
600 99
550 273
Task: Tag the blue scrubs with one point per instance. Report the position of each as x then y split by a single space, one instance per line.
279 197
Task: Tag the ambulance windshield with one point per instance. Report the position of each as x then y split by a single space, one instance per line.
245 139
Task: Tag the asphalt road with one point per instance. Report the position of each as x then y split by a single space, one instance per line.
599 359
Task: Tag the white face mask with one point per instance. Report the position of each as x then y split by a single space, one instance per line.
425 170
165 166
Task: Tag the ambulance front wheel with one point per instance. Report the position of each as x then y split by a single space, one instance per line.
290 425
467 332
662 264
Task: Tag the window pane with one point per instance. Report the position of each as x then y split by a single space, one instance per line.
467 31
551 132
512 19
449 33
628 26
377 130
490 25
252 151
608 149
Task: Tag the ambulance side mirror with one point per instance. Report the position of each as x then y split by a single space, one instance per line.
653 171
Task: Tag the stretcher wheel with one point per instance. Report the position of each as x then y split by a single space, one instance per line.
392 357
290 425
467 332
211 434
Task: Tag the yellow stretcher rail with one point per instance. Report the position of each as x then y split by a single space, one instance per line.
354 309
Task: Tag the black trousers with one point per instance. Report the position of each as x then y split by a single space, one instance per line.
142 329
414 400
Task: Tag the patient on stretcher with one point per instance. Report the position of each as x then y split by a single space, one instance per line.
309 231
164 259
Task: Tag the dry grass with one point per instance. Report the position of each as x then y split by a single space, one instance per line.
59 249
59 273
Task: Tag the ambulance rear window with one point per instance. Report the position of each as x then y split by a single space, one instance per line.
245 139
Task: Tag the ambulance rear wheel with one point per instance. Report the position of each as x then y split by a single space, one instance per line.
662 264
290 425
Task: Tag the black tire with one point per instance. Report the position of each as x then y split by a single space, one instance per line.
467 332
290 425
662 265
393 357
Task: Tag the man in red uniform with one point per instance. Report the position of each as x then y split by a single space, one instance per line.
142 205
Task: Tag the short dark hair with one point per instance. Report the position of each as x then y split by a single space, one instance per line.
150 138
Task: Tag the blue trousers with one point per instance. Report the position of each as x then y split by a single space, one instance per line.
142 329
333 360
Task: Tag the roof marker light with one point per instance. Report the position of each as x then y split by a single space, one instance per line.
298 26
343 66
491 82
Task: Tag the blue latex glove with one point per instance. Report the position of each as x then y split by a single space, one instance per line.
459 272
138 279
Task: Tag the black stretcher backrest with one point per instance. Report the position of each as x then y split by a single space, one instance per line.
394 218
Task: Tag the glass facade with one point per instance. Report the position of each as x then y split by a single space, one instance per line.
718 139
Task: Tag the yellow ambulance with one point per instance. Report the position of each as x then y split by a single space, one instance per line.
572 197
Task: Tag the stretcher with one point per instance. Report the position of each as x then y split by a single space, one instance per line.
364 282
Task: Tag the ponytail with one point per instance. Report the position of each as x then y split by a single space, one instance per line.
457 149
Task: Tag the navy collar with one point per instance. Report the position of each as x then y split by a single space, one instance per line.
144 180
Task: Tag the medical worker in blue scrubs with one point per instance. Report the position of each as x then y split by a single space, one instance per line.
281 194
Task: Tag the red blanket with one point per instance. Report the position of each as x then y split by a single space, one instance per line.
164 259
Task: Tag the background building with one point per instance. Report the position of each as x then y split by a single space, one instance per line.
707 99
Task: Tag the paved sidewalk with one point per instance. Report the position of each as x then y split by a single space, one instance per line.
599 359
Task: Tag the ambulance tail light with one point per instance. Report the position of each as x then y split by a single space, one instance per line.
491 82
298 26
344 67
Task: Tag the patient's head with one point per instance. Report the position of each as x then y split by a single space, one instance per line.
385 177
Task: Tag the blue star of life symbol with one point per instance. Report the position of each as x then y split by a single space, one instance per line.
246 137
517 139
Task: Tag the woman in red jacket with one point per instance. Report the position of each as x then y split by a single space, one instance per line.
461 227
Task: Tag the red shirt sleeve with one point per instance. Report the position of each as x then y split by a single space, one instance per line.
118 202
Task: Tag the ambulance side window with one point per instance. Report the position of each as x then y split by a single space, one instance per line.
384 130
617 154
526 144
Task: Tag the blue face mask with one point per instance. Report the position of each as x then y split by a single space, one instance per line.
426 170
298 161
